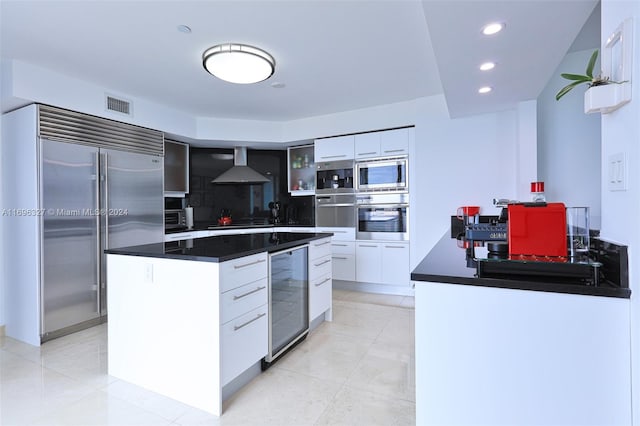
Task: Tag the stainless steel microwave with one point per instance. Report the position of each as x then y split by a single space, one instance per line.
175 219
384 174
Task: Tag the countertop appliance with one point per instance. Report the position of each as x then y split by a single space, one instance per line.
175 219
383 174
99 186
383 217
288 301
334 177
537 229
337 210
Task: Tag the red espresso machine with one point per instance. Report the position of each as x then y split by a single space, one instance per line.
537 230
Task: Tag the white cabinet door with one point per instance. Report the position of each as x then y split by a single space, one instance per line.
395 264
319 295
367 145
334 149
343 266
394 142
243 342
368 262
339 233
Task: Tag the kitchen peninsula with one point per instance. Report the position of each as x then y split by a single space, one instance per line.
518 350
188 318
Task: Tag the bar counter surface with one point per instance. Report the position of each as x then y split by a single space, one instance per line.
447 263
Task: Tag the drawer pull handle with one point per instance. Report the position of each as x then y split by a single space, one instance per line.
249 293
339 257
249 264
394 246
339 245
368 153
238 327
324 281
366 245
322 263
393 150
321 244
334 156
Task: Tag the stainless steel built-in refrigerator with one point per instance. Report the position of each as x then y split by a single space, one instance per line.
97 199
83 184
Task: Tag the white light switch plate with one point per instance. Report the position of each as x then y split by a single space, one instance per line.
617 173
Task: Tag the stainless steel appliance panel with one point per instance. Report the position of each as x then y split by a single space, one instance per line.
132 196
384 174
288 299
383 217
337 210
70 223
335 177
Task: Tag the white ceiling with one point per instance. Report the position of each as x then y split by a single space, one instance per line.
332 56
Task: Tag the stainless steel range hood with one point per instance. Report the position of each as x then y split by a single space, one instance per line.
240 172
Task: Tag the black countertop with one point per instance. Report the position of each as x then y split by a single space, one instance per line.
211 225
221 248
447 263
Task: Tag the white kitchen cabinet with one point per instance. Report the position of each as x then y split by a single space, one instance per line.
387 143
383 263
394 142
339 233
320 279
176 169
301 171
395 264
334 149
368 262
343 256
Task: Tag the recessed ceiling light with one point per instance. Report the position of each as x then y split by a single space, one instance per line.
487 66
184 29
493 28
278 85
238 63
485 89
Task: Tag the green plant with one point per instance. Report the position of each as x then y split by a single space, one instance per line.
587 78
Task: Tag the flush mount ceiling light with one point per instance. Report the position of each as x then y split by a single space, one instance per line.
487 66
238 63
493 28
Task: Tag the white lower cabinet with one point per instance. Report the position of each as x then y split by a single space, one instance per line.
244 329
243 342
320 279
343 256
383 263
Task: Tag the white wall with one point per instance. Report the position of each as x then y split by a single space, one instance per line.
569 141
457 162
621 133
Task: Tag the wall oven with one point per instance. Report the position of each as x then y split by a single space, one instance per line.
335 177
337 210
384 174
383 217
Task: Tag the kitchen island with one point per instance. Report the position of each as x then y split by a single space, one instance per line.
188 319
517 350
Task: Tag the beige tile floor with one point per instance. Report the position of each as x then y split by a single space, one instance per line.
356 370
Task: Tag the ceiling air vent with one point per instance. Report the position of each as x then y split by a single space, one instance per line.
118 105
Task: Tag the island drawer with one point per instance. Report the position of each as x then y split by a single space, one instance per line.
243 342
319 267
319 248
244 270
319 295
243 299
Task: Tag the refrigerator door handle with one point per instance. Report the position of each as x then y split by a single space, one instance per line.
98 236
105 196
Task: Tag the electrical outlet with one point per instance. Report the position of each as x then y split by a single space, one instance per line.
617 175
148 273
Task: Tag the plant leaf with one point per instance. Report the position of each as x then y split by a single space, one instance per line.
566 89
592 63
576 77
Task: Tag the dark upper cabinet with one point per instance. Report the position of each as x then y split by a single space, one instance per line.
176 169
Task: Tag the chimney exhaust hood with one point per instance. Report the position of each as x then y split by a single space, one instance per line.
240 172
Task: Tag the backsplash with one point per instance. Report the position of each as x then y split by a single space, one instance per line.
246 202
